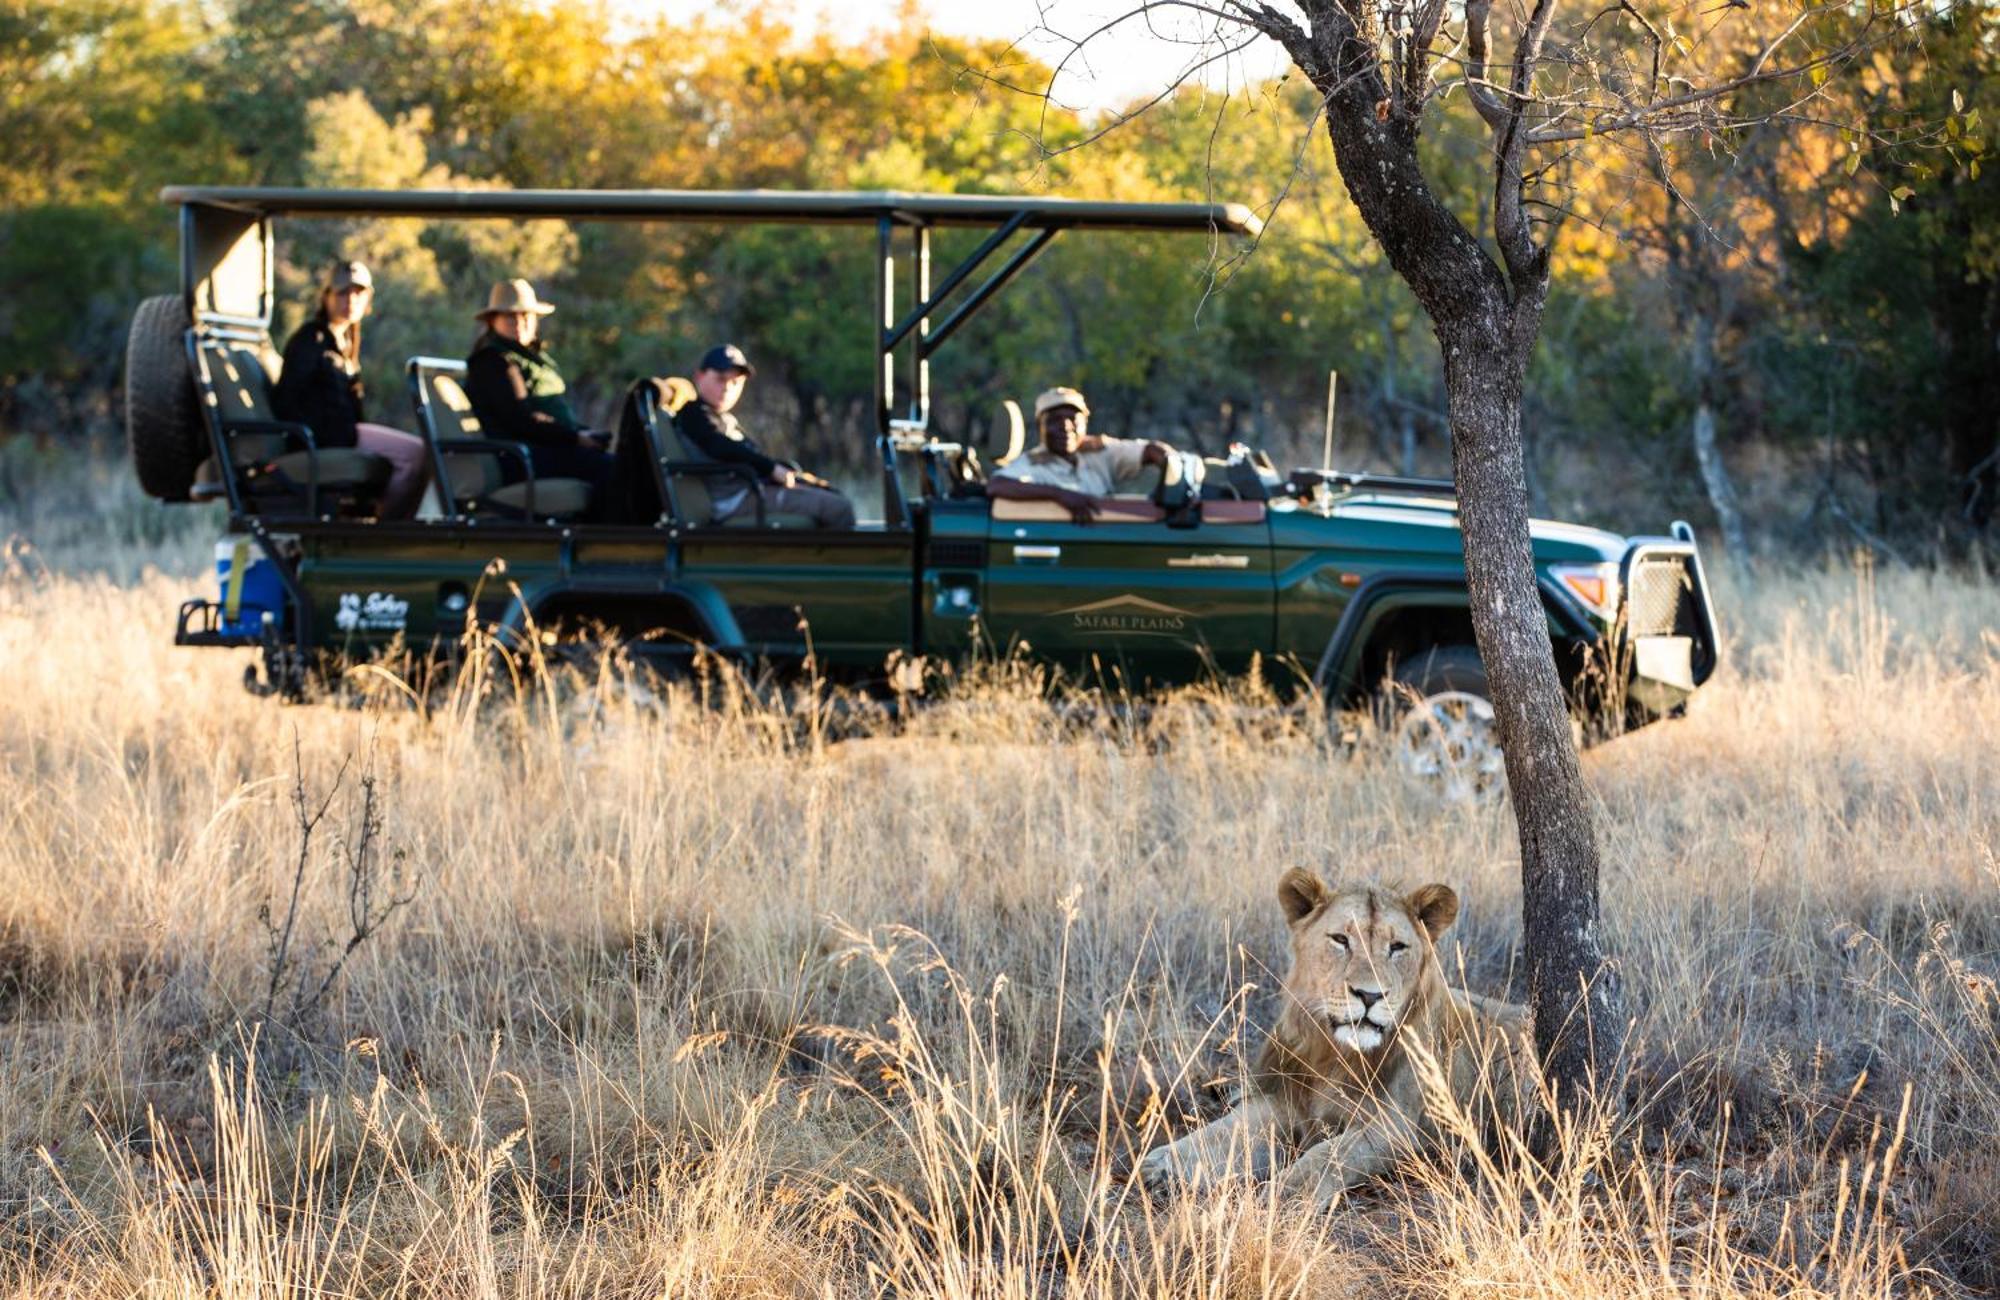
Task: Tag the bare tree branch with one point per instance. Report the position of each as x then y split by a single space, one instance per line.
1527 264
1477 88
1419 55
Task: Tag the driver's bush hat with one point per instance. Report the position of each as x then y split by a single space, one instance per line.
1055 397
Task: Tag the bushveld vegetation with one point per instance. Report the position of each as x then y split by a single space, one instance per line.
768 995
1825 304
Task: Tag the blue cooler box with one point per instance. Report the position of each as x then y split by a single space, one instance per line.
250 588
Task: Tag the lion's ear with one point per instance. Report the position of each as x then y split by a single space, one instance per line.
1300 892
1435 907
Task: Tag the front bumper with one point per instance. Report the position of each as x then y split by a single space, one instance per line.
1669 624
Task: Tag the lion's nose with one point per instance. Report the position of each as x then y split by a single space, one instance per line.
1369 997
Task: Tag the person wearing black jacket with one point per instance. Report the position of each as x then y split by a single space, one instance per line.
711 432
319 386
519 394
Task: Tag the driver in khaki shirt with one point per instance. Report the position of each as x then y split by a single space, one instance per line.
1073 466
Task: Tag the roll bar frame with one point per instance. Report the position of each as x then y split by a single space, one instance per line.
227 266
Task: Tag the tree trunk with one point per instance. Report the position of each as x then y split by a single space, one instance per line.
1578 1039
1714 474
1721 492
1487 321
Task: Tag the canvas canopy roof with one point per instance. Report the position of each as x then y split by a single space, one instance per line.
818 207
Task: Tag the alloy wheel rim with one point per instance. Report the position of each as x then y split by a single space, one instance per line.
1448 741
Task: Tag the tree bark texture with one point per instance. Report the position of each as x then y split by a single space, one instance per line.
1578 1018
1487 320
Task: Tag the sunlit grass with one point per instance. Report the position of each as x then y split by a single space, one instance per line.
718 997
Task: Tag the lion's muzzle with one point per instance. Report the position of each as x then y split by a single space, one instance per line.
1363 1022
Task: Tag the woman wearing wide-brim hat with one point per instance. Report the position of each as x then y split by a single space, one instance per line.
519 394
320 387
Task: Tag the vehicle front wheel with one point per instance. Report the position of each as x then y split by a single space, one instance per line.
1440 715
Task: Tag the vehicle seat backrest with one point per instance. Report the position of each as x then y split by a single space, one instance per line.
638 473
697 503
444 411
238 389
242 389
676 395
451 408
1006 434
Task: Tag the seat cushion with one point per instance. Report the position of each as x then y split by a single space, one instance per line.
1232 512
696 494
555 498
341 469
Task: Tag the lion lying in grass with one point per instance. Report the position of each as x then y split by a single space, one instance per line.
1368 1019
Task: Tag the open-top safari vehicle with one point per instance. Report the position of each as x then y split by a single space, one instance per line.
1352 579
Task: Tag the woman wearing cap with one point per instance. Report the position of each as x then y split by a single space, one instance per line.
320 387
519 395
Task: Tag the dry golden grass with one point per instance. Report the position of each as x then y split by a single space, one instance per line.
698 1001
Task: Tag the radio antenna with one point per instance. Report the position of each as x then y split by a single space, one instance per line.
1326 451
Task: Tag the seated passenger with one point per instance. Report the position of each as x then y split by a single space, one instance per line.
711 432
1073 466
319 386
518 393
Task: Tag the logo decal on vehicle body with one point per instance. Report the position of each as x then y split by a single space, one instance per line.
379 612
1130 614
1209 562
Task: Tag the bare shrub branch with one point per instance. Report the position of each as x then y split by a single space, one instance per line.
375 891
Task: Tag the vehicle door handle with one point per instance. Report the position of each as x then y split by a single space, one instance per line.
1037 554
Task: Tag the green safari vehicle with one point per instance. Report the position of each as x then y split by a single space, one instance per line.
1344 581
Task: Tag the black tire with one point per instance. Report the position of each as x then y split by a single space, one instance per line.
1444 668
162 419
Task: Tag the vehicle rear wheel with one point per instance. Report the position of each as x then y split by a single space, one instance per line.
1440 711
162 419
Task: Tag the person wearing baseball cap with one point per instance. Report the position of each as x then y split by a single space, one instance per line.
319 386
519 394
1073 467
709 428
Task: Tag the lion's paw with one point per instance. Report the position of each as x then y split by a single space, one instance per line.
1157 1171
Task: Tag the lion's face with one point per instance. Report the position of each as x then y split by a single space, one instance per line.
1360 955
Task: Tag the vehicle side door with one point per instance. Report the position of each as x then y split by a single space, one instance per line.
1130 595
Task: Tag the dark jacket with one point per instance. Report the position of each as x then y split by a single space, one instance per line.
315 387
715 435
518 393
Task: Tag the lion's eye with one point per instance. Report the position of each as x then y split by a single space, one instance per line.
1398 946
1339 939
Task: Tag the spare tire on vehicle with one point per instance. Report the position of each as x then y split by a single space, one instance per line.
162 418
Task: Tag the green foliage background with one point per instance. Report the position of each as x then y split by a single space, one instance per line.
1856 342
